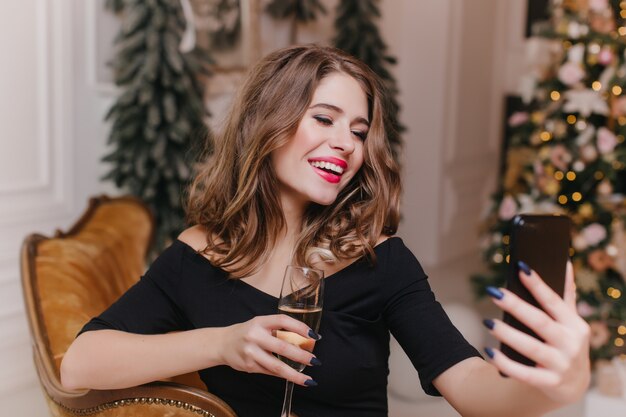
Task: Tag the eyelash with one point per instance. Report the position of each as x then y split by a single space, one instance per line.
328 122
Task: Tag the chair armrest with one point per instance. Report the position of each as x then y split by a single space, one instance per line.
180 400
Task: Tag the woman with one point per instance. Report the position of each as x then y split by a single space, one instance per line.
303 174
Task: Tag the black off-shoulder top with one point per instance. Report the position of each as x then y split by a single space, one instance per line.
363 303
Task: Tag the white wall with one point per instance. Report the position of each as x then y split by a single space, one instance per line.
51 141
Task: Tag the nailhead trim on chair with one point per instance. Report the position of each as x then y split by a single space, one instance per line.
134 401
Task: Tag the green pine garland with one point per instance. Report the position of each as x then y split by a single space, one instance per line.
158 117
358 35
299 10
570 138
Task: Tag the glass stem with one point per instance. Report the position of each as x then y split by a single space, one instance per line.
287 403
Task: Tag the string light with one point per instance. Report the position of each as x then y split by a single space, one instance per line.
571 119
620 138
572 252
505 239
616 90
498 258
571 175
562 199
559 175
613 293
621 31
619 342
577 196
623 14
621 330
596 85
598 175
555 95
581 125
545 136
621 120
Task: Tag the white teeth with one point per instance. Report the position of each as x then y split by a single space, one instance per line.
328 165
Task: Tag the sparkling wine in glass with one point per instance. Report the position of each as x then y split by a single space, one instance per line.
301 298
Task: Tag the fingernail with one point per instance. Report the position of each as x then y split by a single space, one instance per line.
314 335
310 383
489 352
494 292
525 268
489 323
315 361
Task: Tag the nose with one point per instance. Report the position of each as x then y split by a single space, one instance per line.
342 141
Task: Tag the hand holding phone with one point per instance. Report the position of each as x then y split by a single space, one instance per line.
559 340
542 242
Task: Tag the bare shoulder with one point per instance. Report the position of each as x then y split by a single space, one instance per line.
195 236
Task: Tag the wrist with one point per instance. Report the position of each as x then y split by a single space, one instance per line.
214 346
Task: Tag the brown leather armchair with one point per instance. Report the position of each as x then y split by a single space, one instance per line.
73 276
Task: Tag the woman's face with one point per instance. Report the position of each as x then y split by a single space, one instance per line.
327 149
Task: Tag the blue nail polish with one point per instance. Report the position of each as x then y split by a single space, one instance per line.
494 292
314 335
315 361
489 352
525 268
489 324
310 383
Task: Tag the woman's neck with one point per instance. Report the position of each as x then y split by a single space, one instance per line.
293 212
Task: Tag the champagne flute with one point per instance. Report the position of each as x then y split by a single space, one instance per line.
301 298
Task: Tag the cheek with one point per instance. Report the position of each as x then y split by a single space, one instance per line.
359 156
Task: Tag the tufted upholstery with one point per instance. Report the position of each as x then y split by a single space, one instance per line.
74 276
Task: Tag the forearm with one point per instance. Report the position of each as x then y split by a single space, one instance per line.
106 359
482 392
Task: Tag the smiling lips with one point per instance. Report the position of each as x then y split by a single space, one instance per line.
329 168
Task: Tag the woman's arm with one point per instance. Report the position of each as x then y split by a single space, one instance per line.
475 388
108 359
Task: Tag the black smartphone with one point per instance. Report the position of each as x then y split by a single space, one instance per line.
543 243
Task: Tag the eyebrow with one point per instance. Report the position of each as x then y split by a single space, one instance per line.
339 110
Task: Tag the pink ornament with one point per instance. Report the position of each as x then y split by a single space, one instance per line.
598 6
599 334
594 234
560 157
605 140
605 57
584 309
589 153
508 208
518 118
571 73
605 188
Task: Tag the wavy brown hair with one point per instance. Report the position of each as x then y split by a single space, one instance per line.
235 193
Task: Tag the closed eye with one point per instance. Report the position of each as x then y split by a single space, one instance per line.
359 134
324 120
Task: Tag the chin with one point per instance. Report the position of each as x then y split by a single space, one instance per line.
324 200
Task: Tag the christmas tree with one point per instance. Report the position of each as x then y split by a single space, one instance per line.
159 114
566 154
358 35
